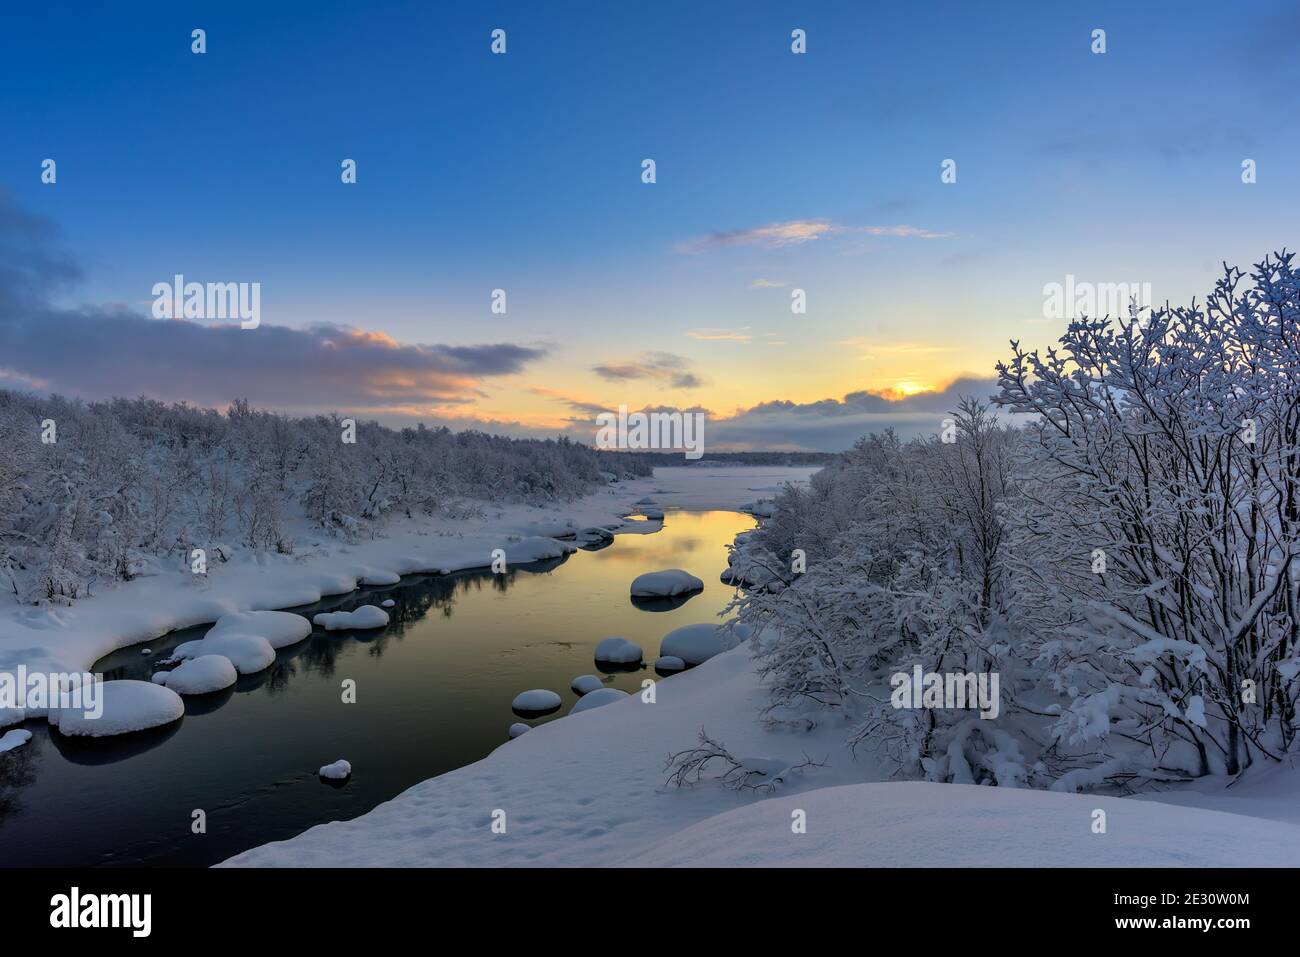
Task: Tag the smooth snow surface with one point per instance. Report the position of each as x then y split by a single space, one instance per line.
248 653
517 729
923 824
14 739
585 684
618 651
367 616
695 644
128 706
202 675
280 628
665 584
538 700
598 698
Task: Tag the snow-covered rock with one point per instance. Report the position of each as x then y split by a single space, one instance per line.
367 616
535 549
694 644
202 675
387 603
10 716
618 651
340 770
586 684
378 576
280 628
248 653
14 739
128 705
665 584
652 512
667 664
537 701
598 698
517 729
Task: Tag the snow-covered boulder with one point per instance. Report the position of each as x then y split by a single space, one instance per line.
340 770
537 701
387 603
618 651
586 684
652 512
665 584
379 576
517 729
597 698
248 653
202 675
535 549
695 644
128 705
15 738
280 628
367 616
669 664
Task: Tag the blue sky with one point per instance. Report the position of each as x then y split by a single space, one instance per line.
523 172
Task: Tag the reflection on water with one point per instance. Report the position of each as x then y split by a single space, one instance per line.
433 692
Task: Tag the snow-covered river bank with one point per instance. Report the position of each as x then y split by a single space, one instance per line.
433 692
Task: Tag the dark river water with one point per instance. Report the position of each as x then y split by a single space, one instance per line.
433 693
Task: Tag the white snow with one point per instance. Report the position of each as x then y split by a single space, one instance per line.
14 739
585 684
596 699
367 616
387 603
280 628
695 644
202 675
652 512
340 770
618 651
128 705
534 549
665 584
248 653
669 663
380 577
592 794
925 824
517 729
539 699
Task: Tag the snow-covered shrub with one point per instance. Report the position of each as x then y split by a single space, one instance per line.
1125 558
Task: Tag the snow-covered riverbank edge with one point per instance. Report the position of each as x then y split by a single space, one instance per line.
72 639
590 790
